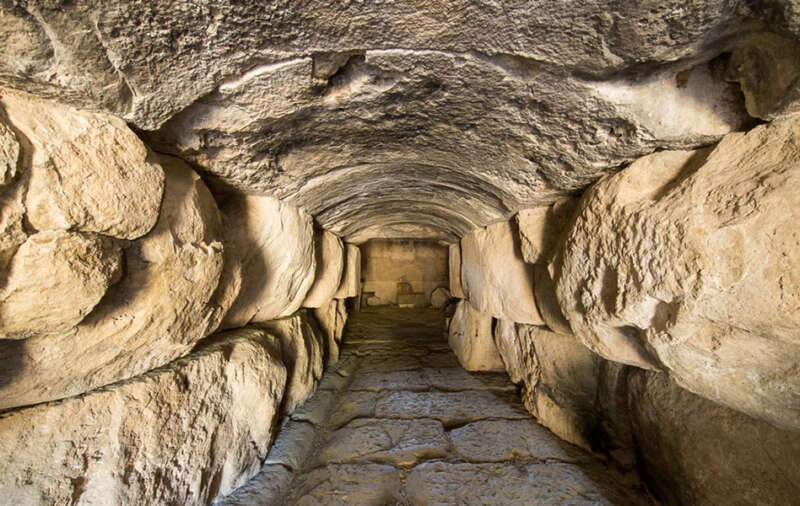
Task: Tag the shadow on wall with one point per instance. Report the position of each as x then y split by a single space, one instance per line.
402 272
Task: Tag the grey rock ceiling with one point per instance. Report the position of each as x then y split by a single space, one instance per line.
415 118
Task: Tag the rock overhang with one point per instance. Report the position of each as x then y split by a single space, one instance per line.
387 119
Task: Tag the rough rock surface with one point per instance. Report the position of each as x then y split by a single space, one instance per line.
454 262
329 252
331 318
180 434
559 376
12 194
494 276
541 229
288 100
303 348
471 443
694 451
272 258
470 337
440 297
87 172
351 278
79 270
154 314
9 154
686 261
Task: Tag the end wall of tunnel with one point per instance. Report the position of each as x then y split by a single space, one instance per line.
193 199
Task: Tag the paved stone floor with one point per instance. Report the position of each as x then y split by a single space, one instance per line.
397 421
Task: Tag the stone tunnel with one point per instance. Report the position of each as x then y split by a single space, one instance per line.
399 252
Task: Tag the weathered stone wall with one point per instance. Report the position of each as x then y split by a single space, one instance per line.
386 263
682 264
116 265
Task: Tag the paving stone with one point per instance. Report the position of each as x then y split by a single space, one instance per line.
268 488
502 484
504 440
399 442
353 405
359 484
448 407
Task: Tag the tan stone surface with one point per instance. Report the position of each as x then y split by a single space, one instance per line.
180 434
303 346
695 451
440 297
154 314
329 321
686 261
55 279
88 172
272 246
454 262
329 252
559 375
351 279
495 278
388 264
470 337
9 153
479 484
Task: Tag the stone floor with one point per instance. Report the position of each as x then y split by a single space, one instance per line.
397 421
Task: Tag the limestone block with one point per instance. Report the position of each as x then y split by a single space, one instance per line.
440 297
88 172
559 375
454 261
55 279
303 347
9 154
273 243
495 278
341 318
12 226
351 279
413 299
330 265
331 322
470 337
541 229
687 262
181 434
157 312
694 451
767 67
544 291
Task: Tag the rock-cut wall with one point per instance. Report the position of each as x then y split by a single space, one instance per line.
117 267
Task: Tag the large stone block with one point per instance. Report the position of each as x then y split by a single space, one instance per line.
330 266
331 318
494 275
88 172
303 348
272 258
454 261
470 337
157 312
541 229
351 279
55 279
694 451
181 434
559 376
687 262
9 154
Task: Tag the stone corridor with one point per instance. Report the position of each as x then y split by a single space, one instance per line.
398 421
